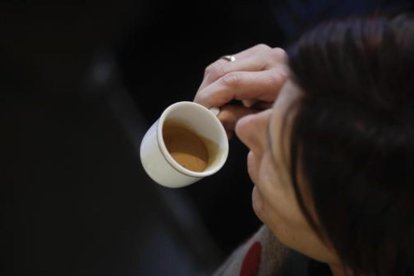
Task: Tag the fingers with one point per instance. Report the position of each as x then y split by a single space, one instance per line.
249 87
254 78
247 60
257 58
230 114
256 75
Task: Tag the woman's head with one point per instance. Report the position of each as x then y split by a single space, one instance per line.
273 197
353 139
333 160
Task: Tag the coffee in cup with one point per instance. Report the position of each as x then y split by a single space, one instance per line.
186 147
185 144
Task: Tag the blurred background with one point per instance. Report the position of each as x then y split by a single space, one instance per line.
80 83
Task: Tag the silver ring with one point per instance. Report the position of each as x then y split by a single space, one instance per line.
229 58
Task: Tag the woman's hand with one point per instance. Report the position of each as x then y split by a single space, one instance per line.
254 78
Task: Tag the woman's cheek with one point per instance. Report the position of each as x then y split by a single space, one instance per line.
251 165
257 204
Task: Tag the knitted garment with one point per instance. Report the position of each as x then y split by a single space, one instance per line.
264 255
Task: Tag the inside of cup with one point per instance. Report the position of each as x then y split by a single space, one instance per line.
203 123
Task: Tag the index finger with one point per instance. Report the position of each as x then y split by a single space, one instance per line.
244 86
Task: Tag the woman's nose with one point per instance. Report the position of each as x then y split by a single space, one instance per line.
251 130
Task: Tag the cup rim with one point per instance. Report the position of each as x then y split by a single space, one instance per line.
174 164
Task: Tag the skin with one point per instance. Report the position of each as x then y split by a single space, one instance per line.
258 78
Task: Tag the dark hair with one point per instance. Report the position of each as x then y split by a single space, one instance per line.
353 137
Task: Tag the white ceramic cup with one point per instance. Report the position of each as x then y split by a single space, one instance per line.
157 161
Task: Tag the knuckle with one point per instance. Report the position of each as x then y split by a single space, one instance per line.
262 47
274 79
279 53
214 70
231 79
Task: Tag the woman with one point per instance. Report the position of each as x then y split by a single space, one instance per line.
330 129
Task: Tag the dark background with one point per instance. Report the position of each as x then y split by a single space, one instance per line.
164 62
80 82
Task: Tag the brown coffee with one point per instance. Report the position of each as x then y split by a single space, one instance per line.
186 147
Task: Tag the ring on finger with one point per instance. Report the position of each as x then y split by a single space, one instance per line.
229 58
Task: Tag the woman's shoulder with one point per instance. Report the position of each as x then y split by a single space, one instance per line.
263 255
